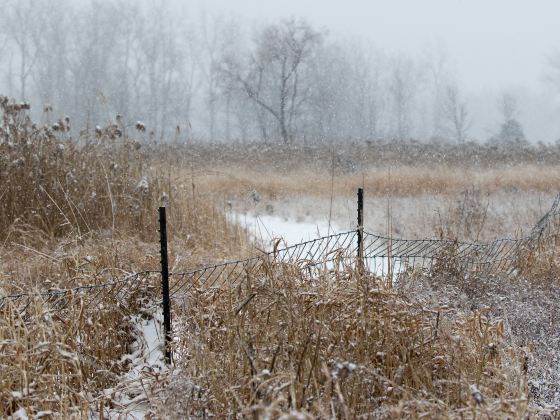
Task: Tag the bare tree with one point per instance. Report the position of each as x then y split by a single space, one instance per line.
402 88
456 114
208 60
437 63
511 130
364 97
50 74
328 102
273 78
3 41
22 24
220 37
553 74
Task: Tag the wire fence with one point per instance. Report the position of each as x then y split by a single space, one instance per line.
390 256
381 256
308 257
89 296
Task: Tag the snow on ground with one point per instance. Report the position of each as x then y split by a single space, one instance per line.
130 398
266 228
496 215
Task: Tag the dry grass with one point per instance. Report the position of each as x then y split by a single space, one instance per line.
357 156
76 212
527 303
56 362
339 346
83 211
402 181
415 168
89 205
56 187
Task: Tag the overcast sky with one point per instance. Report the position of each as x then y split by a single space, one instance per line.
493 43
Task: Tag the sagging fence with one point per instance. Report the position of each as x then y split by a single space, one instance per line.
380 257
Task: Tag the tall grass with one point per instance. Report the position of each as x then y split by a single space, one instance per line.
338 346
57 358
80 211
406 181
344 344
58 186
61 194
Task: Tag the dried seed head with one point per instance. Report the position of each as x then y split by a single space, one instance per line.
164 199
476 394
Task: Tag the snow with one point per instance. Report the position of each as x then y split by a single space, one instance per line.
267 228
380 266
20 414
476 394
130 398
143 185
148 349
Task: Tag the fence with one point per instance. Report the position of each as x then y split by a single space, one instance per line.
382 255
378 255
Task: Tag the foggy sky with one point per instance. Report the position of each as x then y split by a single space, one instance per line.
492 48
493 43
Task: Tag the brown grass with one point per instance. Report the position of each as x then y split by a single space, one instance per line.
404 181
57 361
76 211
339 346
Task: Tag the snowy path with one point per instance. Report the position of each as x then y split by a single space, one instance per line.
266 228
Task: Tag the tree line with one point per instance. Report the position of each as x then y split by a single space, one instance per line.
185 74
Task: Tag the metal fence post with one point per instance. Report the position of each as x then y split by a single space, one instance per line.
165 283
360 227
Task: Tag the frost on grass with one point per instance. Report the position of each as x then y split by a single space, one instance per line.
333 347
131 397
143 185
527 302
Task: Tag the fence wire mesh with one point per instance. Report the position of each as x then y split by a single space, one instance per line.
390 256
308 257
90 296
382 256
